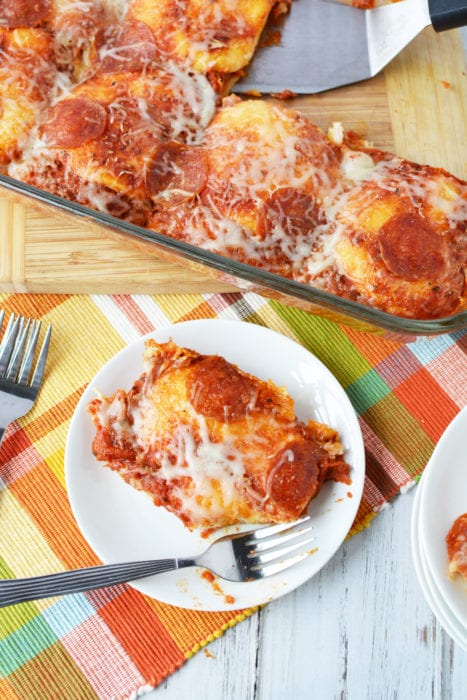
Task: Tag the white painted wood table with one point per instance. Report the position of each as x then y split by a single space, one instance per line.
359 630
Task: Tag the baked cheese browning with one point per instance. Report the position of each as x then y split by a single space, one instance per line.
73 25
119 133
125 46
76 26
216 38
399 240
270 170
456 542
270 176
22 14
213 444
27 75
116 104
366 225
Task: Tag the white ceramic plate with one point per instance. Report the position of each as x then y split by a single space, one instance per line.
441 611
442 500
122 524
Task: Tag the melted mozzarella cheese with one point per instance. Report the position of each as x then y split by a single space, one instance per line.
216 469
357 166
255 148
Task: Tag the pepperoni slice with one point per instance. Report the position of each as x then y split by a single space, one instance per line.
217 389
178 167
295 475
295 211
162 170
192 170
74 122
129 46
23 13
411 249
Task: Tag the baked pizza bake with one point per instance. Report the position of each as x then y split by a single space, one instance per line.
124 106
456 542
213 444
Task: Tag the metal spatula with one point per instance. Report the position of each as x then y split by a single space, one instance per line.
326 44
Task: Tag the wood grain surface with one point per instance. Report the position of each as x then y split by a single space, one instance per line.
416 108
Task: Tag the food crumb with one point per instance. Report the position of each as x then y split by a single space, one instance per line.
446 84
210 578
208 654
270 37
284 95
207 532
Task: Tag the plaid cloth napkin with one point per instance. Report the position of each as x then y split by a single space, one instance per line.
114 642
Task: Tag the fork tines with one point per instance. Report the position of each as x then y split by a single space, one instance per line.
18 348
272 548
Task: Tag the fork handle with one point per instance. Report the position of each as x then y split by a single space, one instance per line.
14 591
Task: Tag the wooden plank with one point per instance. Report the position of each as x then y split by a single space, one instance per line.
63 258
416 108
12 246
363 108
429 124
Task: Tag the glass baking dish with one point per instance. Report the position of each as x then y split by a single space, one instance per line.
243 276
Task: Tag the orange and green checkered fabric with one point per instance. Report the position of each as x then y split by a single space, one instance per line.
112 642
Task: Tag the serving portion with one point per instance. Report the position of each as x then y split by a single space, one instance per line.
214 445
122 523
128 113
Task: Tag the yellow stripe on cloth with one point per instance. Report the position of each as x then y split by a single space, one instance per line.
24 548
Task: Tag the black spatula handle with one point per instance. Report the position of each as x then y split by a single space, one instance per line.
448 14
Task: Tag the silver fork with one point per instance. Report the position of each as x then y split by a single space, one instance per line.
18 390
244 557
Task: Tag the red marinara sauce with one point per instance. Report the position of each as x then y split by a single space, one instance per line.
456 542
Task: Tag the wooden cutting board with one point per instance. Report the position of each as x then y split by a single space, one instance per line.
417 109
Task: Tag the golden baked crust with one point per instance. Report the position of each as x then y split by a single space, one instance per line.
275 192
216 38
400 240
213 444
27 74
268 173
113 129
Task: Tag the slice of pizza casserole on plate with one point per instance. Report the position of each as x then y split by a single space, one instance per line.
214 445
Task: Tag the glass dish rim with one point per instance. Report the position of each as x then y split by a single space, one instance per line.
253 275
